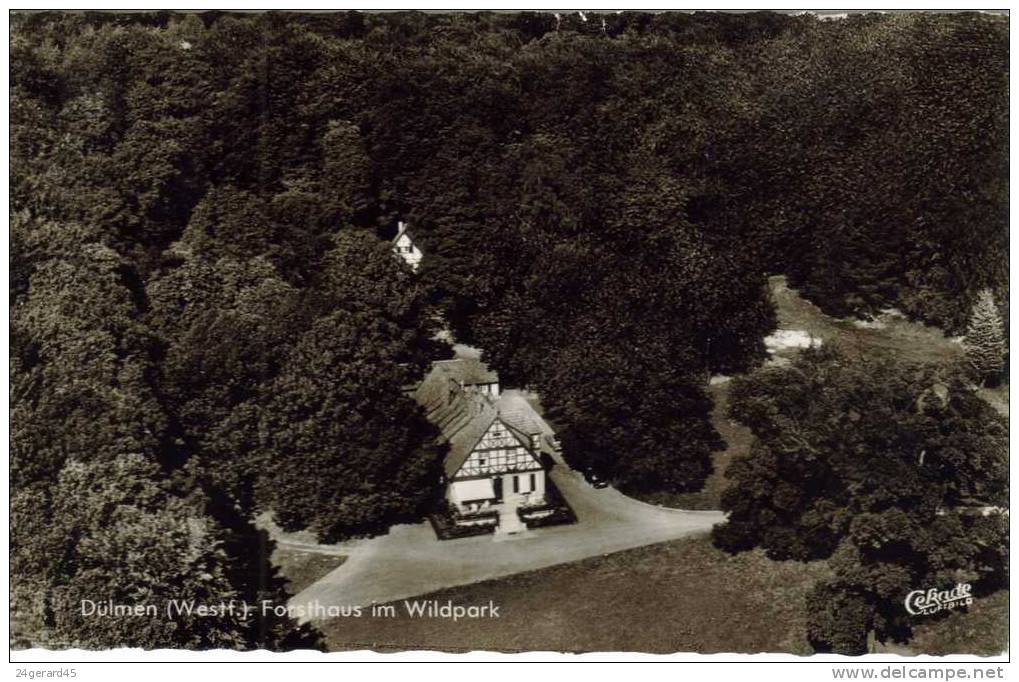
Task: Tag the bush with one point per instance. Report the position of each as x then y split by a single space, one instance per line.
554 512
838 622
559 516
445 523
734 537
474 517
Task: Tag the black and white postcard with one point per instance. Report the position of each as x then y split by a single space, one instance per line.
563 332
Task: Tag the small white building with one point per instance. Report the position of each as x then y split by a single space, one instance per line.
495 442
405 248
469 373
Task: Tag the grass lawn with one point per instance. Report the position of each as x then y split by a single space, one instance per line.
677 596
301 568
888 335
982 631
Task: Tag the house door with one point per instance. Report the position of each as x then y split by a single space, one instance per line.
497 487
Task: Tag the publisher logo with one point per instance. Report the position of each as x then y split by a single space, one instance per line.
929 602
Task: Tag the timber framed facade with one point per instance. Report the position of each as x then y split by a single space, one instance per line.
495 438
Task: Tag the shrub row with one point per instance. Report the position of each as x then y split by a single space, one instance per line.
444 523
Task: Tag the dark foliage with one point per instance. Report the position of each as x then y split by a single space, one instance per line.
888 470
444 523
195 282
538 516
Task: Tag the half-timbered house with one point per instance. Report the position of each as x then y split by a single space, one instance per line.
494 459
405 248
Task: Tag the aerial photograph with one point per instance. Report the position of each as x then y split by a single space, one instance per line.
368 334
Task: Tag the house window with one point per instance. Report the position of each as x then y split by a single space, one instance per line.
481 461
533 486
516 484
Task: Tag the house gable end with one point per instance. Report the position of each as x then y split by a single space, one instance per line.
501 449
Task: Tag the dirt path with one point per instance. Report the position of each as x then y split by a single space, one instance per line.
410 561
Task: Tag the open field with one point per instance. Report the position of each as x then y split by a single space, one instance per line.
301 567
888 335
409 561
982 631
683 595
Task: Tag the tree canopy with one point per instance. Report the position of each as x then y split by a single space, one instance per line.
202 295
887 469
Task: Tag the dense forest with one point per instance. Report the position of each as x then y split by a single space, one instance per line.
207 321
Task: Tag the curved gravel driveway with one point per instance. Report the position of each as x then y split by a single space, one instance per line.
409 560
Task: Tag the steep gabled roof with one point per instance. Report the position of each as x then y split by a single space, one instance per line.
463 442
401 229
517 413
463 414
